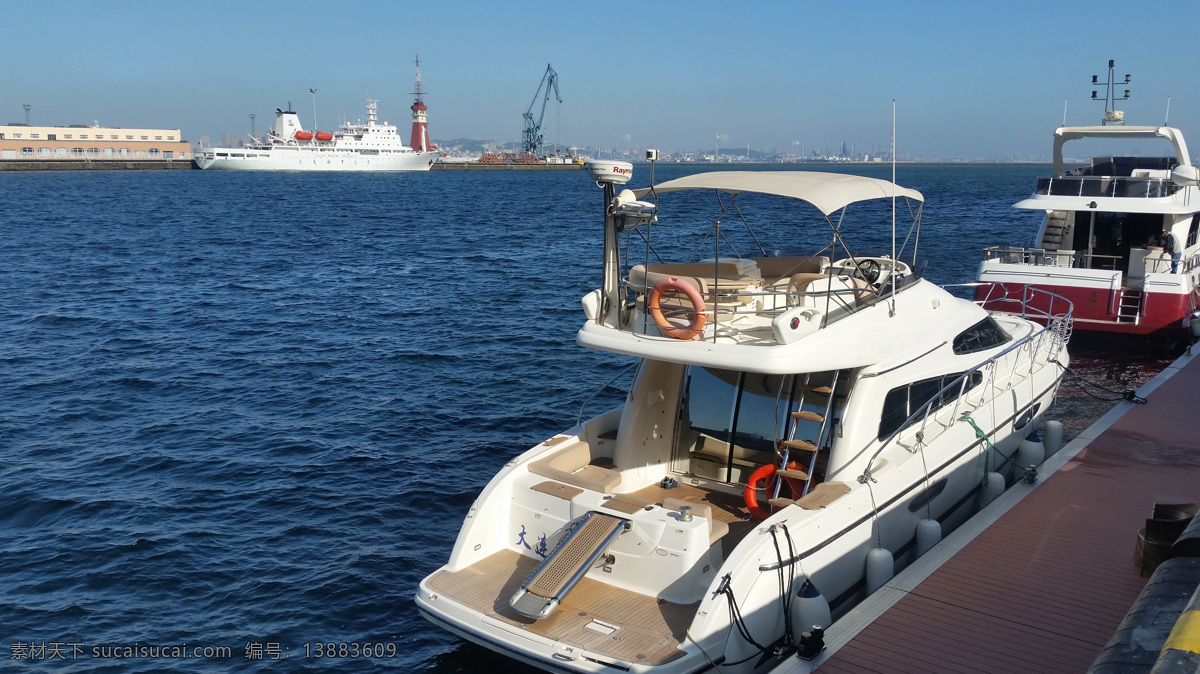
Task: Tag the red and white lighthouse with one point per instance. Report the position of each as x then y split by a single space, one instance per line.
420 128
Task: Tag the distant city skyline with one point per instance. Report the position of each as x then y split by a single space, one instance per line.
987 81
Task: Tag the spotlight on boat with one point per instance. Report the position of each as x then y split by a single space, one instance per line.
615 172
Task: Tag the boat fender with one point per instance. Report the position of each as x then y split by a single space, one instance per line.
1052 436
1030 453
699 318
764 478
929 534
881 566
809 608
993 487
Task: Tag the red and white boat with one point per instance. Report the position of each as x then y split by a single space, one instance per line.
1101 243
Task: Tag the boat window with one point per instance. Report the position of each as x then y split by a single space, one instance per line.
984 335
903 401
1191 240
705 421
731 422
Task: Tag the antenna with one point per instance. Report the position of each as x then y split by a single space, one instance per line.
314 93
1111 114
417 86
892 308
1168 115
252 128
1064 112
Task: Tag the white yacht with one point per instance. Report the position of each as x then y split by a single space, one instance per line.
1101 241
358 146
797 428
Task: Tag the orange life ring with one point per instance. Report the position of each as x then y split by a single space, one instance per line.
767 474
699 318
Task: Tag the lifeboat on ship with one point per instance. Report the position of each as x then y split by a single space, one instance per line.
303 135
324 136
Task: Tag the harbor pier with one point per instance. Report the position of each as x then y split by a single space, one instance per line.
1042 578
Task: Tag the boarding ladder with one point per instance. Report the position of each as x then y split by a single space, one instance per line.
790 442
586 540
1130 308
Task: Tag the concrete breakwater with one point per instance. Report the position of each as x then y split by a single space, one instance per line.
477 166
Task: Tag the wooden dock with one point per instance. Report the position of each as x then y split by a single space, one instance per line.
1041 578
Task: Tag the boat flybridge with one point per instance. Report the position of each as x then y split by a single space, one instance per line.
1101 242
798 425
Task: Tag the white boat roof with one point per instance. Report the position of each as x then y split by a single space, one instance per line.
829 192
1065 133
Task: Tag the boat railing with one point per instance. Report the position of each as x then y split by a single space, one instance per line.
1106 186
1162 264
744 315
1024 356
1043 257
605 386
1030 302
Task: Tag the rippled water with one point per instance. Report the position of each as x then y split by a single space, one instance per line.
251 410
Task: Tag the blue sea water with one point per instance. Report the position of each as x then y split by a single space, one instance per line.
249 410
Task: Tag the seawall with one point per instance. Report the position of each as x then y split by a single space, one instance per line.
97 165
476 166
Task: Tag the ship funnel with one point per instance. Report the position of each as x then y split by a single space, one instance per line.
287 124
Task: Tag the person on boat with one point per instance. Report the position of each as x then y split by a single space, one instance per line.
1171 246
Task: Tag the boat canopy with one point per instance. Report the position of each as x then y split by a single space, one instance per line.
1065 133
829 192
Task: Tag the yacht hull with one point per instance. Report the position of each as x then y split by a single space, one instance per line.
1163 308
295 159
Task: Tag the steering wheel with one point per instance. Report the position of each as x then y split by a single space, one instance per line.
870 270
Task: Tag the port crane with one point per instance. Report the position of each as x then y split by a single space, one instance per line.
532 136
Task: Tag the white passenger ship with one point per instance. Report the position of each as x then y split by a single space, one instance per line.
353 147
798 426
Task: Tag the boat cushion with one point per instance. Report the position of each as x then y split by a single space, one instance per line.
572 465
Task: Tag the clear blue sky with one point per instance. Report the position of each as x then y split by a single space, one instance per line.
970 79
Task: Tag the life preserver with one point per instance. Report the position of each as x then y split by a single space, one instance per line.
699 318
767 474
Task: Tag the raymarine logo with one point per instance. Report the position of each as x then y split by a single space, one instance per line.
622 171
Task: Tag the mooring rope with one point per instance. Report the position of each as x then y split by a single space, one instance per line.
1079 381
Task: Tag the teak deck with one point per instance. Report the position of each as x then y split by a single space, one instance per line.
648 631
1045 587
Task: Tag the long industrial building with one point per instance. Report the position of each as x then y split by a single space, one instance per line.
90 143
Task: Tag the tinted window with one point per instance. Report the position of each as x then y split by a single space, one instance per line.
984 335
904 401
